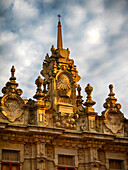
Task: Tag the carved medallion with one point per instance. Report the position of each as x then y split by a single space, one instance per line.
12 106
113 121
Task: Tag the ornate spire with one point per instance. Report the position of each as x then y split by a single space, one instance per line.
11 86
111 100
39 94
59 38
89 102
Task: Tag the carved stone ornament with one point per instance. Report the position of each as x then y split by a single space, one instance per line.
81 155
27 150
50 152
84 124
12 106
63 86
113 120
101 156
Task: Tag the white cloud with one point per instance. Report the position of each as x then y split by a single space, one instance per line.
48 1
94 35
75 16
23 10
95 7
5 4
7 37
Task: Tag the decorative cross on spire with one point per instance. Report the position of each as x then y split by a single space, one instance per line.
59 16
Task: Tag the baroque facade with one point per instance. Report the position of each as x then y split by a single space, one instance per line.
58 130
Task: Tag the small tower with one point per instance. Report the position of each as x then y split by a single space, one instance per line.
61 78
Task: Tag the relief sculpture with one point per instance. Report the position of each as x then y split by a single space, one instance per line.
63 86
113 121
12 107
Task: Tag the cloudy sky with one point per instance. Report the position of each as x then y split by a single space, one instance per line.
95 31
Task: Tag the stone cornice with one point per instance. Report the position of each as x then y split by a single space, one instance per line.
58 133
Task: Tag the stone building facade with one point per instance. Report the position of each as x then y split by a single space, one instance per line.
58 130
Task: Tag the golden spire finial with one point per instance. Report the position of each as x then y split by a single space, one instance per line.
59 38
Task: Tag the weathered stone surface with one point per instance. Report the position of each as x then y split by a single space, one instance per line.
56 124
